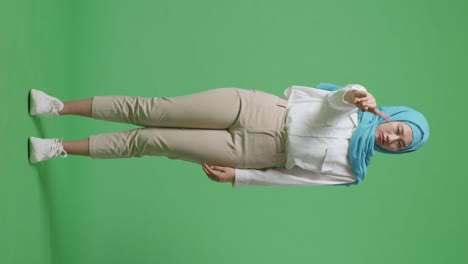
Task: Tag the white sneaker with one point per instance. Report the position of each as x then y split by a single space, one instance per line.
41 104
44 149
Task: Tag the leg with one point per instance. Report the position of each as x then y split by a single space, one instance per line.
78 147
79 107
194 145
253 142
212 109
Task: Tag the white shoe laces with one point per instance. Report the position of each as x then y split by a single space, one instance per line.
56 149
54 105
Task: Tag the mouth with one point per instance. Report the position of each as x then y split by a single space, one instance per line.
382 139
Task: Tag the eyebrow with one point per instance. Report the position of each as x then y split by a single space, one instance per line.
403 134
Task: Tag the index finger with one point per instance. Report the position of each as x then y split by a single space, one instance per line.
209 169
206 170
382 115
208 173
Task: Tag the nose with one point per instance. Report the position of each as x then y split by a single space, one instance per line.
391 138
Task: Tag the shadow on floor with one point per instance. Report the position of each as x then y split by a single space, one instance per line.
43 173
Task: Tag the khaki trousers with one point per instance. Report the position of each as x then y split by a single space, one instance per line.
226 126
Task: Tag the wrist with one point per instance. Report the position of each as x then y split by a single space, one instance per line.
233 179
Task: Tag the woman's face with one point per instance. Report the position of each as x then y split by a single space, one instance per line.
394 135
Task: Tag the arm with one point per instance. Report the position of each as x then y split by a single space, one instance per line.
287 177
273 177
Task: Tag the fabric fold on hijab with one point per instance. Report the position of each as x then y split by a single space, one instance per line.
362 144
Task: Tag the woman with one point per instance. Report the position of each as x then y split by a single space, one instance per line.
314 136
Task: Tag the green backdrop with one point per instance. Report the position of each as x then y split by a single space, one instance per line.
410 209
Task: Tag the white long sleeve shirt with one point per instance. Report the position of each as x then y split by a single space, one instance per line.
319 127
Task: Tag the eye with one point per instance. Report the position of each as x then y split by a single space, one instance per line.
400 144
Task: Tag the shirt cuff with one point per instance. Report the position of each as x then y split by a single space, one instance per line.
242 178
356 87
336 99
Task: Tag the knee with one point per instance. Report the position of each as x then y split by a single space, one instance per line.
137 142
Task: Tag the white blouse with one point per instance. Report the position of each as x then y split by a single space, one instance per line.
319 126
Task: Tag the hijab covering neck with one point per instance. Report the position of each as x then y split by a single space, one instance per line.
362 144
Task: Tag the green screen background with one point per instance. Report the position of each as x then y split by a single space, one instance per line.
410 209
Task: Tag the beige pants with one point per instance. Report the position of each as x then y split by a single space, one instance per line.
226 126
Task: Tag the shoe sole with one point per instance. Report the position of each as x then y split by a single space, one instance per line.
30 149
32 105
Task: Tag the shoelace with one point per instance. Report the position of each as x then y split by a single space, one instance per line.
56 149
54 105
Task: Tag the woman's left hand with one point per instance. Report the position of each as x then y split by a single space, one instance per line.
220 174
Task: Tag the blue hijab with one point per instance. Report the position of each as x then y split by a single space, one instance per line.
362 145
